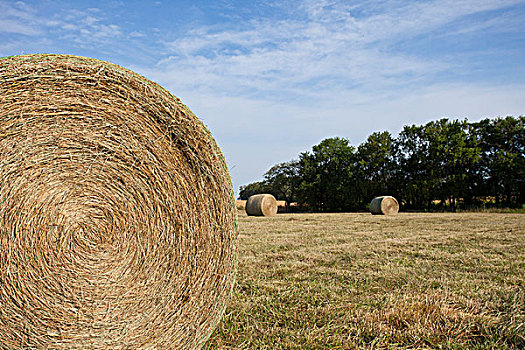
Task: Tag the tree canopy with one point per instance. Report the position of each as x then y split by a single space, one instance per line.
444 164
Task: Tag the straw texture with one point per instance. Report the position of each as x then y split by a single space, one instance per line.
261 205
117 216
384 205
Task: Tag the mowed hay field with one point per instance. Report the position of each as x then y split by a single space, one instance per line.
344 281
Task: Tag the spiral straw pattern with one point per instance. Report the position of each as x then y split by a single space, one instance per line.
117 217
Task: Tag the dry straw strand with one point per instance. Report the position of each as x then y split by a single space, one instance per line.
117 216
384 205
261 205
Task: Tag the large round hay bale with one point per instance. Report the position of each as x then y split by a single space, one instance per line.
384 205
261 205
117 216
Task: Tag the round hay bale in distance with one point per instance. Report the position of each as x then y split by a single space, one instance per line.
261 205
117 216
241 204
384 205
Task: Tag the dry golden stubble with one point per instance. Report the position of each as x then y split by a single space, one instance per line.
117 217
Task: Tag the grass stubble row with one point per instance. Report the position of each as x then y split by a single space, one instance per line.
362 281
117 219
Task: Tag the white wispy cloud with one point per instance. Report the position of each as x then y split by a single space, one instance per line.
407 19
332 46
85 27
88 27
15 27
18 18
284 55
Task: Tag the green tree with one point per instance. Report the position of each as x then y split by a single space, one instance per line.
453 158
453 161
327 176
283 180
376 166
254 188
411 156
503 160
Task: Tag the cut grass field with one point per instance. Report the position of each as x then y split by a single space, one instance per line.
344 281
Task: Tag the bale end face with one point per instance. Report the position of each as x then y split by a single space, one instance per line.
117 217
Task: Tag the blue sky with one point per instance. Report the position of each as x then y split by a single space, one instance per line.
272 78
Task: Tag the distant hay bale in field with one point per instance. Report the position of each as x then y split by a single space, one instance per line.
386 205
117 222
261 205
240 204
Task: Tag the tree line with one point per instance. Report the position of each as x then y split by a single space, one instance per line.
442 165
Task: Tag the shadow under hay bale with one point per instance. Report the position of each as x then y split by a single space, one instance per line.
261 205
117 217
384 205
